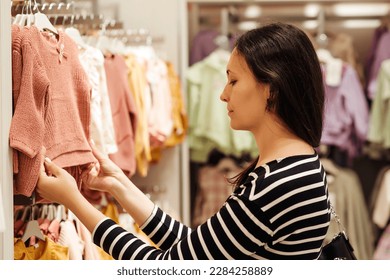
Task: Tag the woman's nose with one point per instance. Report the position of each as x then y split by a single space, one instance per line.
223 95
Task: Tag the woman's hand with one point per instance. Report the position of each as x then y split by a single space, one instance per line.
103 175
59 186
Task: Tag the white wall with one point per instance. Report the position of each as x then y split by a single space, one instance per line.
6 237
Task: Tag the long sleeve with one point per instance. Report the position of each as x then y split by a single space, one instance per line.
356 103
30 99
30 93
251 224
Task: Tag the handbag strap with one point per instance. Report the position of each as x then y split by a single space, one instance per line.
337 220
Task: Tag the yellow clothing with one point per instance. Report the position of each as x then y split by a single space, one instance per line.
111 211
180 120
179 115
43 250
139 88
102 254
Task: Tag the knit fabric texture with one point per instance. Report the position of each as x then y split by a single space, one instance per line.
51 103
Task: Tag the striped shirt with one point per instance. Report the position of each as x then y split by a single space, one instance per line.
281 211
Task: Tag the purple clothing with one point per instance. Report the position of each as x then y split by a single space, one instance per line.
346 113
382 53
204 44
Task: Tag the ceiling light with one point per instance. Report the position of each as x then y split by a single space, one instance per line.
358 23
252 11
311 10
374 9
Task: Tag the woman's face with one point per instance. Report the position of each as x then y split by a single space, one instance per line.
245 97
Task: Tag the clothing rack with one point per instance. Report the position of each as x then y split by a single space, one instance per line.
133 36
321 38
175 161
19 7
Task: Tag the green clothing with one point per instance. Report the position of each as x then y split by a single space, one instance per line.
380 113
209 124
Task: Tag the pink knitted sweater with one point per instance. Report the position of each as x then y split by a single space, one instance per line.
51 105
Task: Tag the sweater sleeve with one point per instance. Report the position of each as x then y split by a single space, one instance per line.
30 86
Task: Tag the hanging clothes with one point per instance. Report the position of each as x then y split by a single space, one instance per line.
372 52
341 46
179 115
214 189
209 124
43 250
50 117
102 127
158 99
381 201
382 53
141 93
379 132
204 44
346 114
347 198
124 113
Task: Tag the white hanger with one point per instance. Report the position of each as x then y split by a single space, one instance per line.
60 213
74 33
20 19
32 228
44 210
42 22
51 213
103 43
38 19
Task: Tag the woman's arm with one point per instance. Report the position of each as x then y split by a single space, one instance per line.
107 177
61 187
215 239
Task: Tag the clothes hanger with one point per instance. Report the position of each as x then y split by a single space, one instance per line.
60 213
42 22
51 213
21 19
32 227
74 33
44 210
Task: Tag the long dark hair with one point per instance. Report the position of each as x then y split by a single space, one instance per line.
282 56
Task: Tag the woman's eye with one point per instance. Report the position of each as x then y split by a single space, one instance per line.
232 82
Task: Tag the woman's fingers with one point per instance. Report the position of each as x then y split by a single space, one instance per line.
52 168
98 155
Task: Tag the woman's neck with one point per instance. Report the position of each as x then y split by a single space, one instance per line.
276 141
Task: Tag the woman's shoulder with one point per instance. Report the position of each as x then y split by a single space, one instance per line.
282 178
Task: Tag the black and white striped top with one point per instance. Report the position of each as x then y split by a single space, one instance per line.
280 212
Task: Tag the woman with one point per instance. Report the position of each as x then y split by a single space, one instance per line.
279 208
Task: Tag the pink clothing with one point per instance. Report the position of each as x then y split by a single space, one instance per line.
124 113
51 105
69 238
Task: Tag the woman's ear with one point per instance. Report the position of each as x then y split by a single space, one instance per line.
269 97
